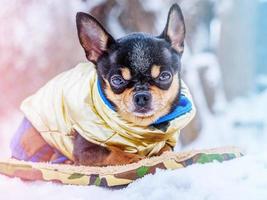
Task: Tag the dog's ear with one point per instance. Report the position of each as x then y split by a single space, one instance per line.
93 37
174 31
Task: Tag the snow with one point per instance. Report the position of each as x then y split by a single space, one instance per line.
243 124
231 180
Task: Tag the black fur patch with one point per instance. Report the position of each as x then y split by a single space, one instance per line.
161 126
139 52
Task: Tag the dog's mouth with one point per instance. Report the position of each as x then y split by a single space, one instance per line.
143 112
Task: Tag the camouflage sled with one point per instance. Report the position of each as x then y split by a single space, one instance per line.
113 175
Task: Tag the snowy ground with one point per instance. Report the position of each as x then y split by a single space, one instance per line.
243 124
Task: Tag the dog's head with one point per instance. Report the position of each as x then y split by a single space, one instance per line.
139 73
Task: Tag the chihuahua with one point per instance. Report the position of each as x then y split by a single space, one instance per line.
139 75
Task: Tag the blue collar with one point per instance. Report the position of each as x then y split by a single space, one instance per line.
183 107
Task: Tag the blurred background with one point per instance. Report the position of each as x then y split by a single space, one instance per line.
224 64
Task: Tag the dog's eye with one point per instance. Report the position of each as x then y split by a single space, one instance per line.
165 76
117 81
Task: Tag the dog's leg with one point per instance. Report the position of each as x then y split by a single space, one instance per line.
87 153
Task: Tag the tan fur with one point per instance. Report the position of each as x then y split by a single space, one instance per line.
161 103
126 74
155 70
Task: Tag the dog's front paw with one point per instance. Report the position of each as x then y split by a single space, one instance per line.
119 157
164 149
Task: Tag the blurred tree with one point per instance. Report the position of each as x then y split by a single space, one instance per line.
260 44
236 45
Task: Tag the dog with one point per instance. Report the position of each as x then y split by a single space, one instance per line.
139 75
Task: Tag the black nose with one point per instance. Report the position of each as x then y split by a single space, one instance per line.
142 99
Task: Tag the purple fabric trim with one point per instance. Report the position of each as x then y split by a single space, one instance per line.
60 159
38 155
19 153
16 149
